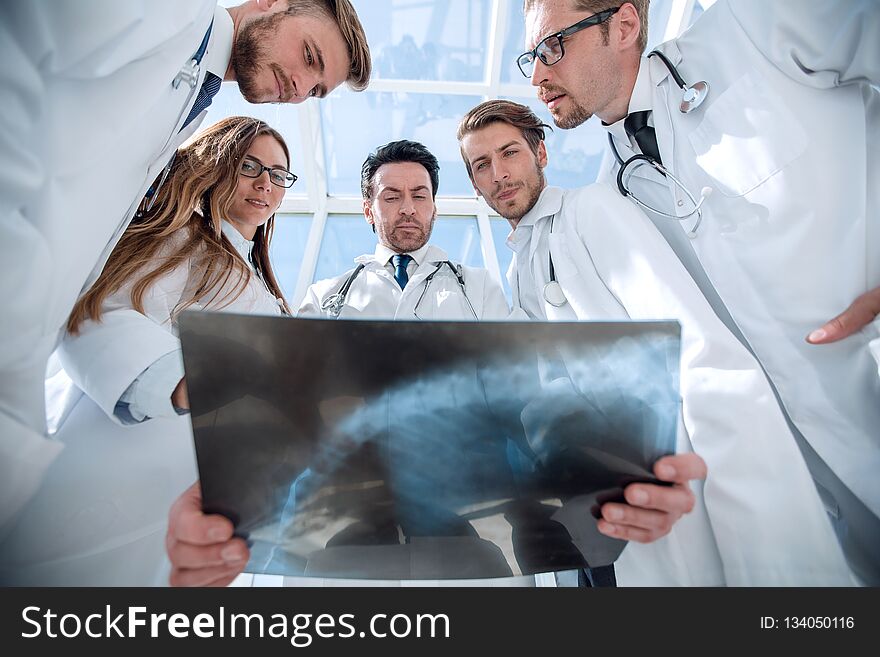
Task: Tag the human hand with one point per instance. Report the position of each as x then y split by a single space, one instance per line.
201 547
180 397
652 510
860 313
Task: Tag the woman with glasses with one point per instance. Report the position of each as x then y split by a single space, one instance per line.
203 243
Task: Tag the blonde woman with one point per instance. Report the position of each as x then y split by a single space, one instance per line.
202 243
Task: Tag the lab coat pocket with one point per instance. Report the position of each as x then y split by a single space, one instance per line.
746 136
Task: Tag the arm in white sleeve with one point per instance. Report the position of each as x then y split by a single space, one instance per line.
816 42
149 395
311 304
106 357
769 523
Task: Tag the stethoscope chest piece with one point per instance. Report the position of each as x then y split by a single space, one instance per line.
694 96
554 295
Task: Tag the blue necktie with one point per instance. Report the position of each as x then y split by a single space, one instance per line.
400 262
209 89
210 85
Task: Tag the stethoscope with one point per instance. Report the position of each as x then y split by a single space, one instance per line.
334 304
553 293
692 97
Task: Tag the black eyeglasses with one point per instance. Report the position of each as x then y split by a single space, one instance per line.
277 176
550 50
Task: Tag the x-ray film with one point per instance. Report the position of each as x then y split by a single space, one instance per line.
425 450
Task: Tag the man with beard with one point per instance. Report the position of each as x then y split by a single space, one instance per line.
97 98
406 277
587 254
765 119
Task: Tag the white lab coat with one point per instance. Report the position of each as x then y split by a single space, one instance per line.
789 140
376 295
99 519
89 119
758 520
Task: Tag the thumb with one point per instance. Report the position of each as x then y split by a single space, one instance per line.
861 312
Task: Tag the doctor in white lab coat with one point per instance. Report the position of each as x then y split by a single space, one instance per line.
786 146
97 96
758 520
99 518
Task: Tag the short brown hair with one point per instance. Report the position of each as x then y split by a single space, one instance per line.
346 18
504 111
595 6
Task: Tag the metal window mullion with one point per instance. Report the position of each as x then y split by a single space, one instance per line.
490 256
679 13
495 47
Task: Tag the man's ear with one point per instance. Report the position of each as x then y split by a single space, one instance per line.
628 26
368 214
266 5
542 154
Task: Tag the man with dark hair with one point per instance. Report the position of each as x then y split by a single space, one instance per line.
406 277
587 254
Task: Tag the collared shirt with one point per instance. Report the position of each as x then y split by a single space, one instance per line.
530 273
639 101
220 51
384 254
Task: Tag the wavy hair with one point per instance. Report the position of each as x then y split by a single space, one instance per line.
197 194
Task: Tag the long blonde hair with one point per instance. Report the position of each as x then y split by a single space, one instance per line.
198 193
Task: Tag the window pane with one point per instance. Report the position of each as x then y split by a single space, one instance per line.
345 238
417 40
284 118
514 44
500 231
460 238
355 124
288 247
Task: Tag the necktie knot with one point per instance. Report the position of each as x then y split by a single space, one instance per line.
636 126
401 262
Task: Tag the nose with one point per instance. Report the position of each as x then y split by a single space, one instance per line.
540 72
407 206
303 87
263 182
499 171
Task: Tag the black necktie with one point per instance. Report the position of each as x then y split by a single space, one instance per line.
400 262
636 126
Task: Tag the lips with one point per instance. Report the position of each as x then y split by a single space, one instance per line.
257 203
507 194
551 97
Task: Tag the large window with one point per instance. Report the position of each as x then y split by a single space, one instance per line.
433 61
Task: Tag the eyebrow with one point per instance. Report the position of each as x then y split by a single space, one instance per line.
395 190
319 56
515 142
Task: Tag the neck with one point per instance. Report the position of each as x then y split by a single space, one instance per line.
238 14
618 107
244 230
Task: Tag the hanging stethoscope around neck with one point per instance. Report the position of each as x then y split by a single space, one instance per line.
553 293
334 304
692 97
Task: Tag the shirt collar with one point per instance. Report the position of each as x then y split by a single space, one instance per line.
548 204
239 242
383 254
220 47
641 99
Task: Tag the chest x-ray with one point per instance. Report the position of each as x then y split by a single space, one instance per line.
425 450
